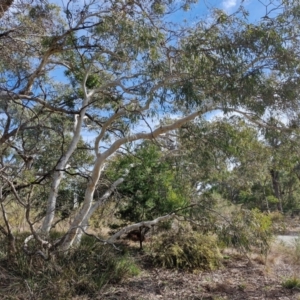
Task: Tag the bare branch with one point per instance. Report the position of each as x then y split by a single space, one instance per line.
129 228
160 130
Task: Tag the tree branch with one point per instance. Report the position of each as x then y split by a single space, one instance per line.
160 130
129 228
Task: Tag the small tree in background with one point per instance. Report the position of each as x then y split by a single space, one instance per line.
153 186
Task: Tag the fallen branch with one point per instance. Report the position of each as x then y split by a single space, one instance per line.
129 228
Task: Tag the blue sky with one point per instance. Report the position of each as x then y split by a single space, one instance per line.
198 11
256 8
201 9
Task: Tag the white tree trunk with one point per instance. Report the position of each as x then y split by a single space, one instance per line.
71 235
58 174
81 219
94 207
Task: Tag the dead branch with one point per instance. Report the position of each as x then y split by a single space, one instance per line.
131 227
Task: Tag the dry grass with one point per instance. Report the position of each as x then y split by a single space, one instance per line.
83 272
282 254
74 278
283 264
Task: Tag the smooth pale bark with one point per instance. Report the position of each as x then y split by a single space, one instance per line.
70 237
94 207
81 217
57 177
58 173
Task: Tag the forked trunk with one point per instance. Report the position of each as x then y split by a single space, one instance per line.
58 175
80 219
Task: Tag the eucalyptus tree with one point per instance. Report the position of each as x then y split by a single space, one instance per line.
243 163
114 66
227 158
282 167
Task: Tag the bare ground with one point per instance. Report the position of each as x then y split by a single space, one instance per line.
237 279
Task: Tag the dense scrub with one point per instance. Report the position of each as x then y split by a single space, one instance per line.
186 250
84 271
87 269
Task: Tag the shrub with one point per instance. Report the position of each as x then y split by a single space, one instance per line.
292 283
84 271
185 249
278 224
247 230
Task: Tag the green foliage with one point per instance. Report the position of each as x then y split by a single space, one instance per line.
232 158
291 283
278 222
76 77
247 230
84 271
186 249
151 188
138 65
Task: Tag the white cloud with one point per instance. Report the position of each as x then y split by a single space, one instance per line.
213 115
229 4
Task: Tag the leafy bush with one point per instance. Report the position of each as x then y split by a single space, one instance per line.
278 224
292 283
185 249
247 229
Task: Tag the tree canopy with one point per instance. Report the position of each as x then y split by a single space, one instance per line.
80 83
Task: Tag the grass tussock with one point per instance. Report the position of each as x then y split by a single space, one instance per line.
282 253
296 252
291 283
82 272
185 249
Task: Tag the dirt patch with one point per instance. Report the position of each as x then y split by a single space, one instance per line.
237 279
